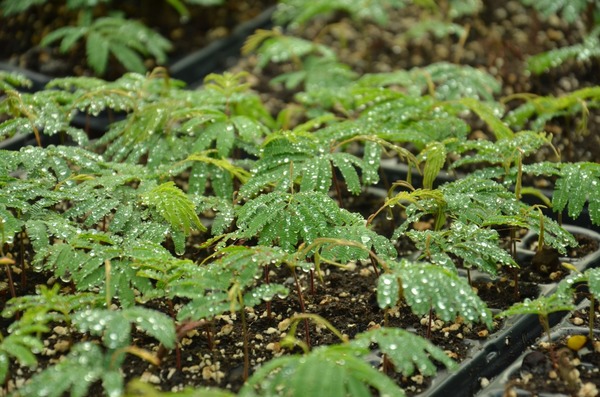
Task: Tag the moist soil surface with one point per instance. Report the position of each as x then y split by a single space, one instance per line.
211 354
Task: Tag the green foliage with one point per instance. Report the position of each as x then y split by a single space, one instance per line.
490 116
126 228
174 206
591 277
84 365
474 246
335 371
538 110
87 362
274 46
580 52
401 118
166 124
48 306
418 355
229 282
425 286
115 326
483 202
113 211
41 112
570 11
504 153
453 82
21 345
299 12
572 190
288 158
127 40
12 81
542 306
287 219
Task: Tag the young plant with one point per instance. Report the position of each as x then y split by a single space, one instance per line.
341 370
425 286
536 111
34 314
575 10
543 307
87 362
298 12
572 284
126 40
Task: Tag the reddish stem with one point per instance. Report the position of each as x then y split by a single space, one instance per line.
302 308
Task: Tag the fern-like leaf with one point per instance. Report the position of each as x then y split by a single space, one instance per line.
12 81
20 347
582 52
578 183
335 371
115 326
487 114
274 46
453 82
286 158
286 219
84 365
475 246
570 12
425 286
434 156
299 12
406 350
174 206
542 306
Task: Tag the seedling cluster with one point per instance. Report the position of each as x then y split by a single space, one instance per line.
192 199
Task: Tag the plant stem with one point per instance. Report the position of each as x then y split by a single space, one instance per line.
11 285
387 366
591 317
269 314
544 321
429 323
246 373
374 264
336 184
22 260
302 308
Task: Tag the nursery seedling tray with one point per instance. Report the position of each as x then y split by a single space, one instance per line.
497 387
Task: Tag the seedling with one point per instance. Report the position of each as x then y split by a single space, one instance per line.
542 307
572 284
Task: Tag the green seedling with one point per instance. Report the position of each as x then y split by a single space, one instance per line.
542 307
572 284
